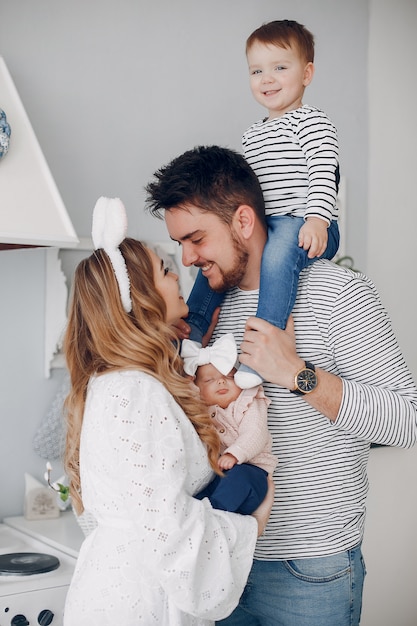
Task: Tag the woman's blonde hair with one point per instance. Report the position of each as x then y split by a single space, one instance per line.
102 337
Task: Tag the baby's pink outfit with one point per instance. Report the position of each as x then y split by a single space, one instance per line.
243 429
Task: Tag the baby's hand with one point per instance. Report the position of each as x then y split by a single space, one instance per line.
227 461
313 236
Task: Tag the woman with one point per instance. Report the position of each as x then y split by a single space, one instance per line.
139 445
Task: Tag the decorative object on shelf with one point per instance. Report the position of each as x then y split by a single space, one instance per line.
58 487
40 502
5 132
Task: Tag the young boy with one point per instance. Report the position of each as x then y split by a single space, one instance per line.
294 152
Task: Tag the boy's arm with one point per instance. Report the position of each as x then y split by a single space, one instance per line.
317 136
313 237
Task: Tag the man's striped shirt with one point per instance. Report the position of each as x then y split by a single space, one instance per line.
321 480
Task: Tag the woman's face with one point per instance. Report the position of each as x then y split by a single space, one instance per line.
166 283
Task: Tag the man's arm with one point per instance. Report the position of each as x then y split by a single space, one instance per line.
272 352
367 389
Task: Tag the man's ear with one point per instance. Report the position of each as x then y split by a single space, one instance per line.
244 220
308 74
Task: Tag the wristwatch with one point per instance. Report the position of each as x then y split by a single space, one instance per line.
305 380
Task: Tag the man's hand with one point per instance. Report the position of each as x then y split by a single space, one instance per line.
271 351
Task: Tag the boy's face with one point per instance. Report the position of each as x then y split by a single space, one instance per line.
278 77
216 388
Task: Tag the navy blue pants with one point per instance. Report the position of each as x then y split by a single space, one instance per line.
240 490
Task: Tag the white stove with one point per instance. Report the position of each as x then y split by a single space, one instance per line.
37 599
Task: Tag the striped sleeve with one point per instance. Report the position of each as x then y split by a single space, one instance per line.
379 396
318 142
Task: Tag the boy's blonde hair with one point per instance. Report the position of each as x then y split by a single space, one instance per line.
285 34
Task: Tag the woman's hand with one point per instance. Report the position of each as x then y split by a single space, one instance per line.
181 329
264 509
212 326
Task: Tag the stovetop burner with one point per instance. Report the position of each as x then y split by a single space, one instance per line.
38 598
27 563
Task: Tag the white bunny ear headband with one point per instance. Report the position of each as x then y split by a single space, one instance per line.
109 230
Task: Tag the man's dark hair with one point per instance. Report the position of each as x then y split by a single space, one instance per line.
210 178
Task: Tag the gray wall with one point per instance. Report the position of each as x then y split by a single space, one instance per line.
114 89
390 545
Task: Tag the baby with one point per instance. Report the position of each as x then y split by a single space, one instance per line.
240 417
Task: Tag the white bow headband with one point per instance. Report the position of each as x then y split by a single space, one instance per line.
222 354
109 230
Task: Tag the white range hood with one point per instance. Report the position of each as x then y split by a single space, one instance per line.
32 212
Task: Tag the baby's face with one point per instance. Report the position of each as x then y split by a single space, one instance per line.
216 388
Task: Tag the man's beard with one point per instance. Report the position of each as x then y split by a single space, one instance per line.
233 277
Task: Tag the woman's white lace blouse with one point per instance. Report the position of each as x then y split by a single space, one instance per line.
158 556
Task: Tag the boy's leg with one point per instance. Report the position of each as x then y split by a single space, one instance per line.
323 591
240 490
333 240
282 262
202 303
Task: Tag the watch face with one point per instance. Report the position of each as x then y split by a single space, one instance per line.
307 380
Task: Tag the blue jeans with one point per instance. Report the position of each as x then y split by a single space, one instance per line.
282 262
240 490
323 591
202 303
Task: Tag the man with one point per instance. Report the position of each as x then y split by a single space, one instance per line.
337 382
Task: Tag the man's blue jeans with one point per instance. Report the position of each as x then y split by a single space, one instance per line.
324 591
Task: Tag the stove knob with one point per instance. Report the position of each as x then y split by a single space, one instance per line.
19 620
45 617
